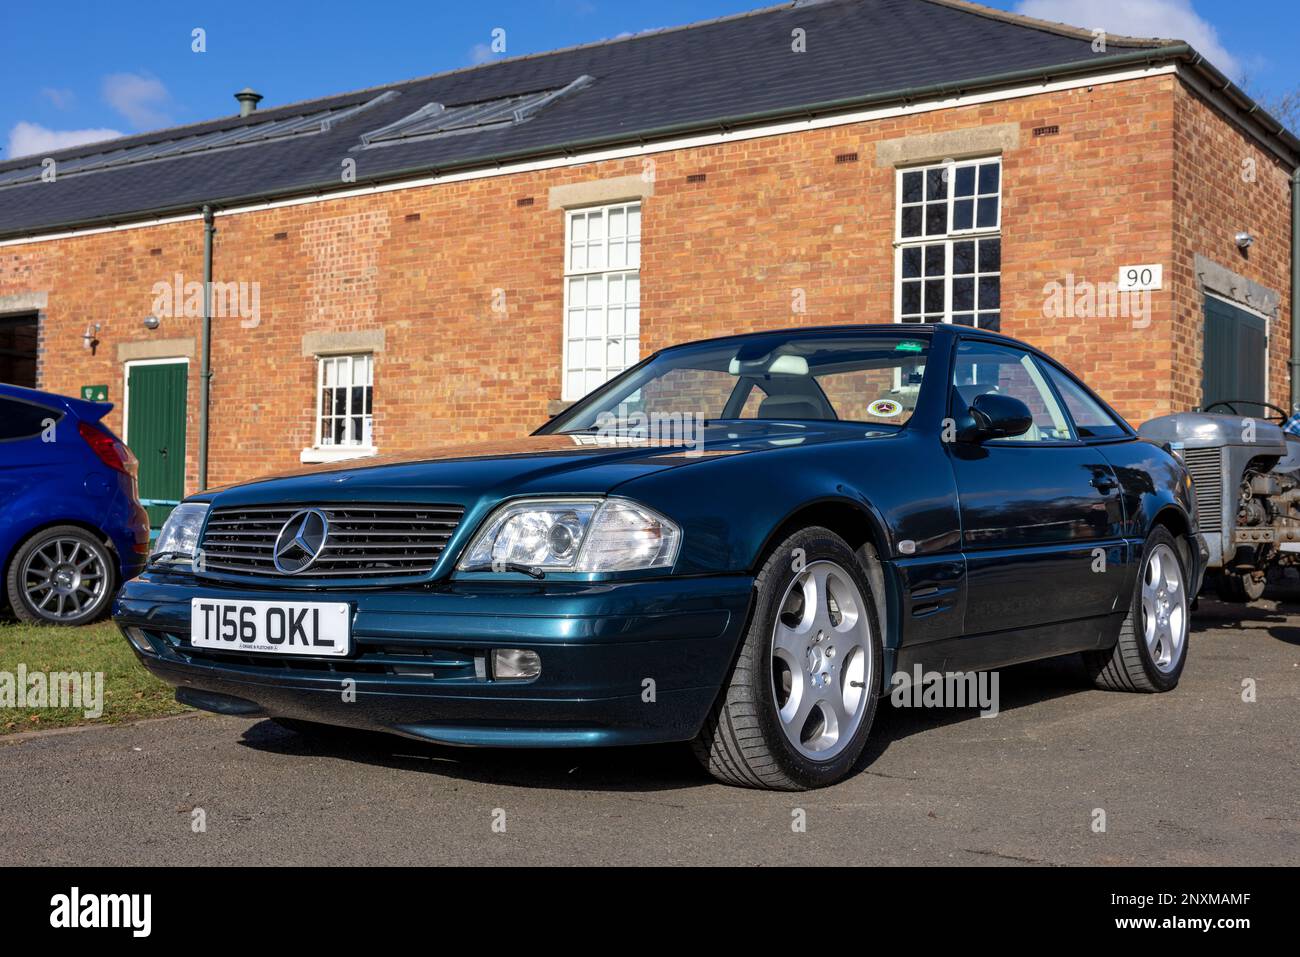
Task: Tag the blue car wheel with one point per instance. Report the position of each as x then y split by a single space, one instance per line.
799 704
60 576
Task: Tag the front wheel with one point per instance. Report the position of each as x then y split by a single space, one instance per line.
798 706
1152 646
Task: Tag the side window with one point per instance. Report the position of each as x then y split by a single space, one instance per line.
1091 421
22 420
983 367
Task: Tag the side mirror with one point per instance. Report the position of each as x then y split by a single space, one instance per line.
994 416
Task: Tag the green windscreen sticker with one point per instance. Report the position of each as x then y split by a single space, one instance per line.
910 347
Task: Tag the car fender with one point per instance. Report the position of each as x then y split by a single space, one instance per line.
34 509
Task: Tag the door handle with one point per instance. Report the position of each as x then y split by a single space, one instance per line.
1104 485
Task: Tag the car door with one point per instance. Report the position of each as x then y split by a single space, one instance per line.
1041 514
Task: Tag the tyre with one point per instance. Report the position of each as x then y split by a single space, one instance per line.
1238 588
798 705
1152 646
60 576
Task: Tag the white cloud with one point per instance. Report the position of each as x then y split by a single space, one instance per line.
1174 19
60 98
138 98
28 139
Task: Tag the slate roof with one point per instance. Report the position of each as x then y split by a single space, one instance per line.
702 77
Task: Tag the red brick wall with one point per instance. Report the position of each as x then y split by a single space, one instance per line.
1214 200
773 216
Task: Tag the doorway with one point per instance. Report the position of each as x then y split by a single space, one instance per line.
18 336
156 406
1235 358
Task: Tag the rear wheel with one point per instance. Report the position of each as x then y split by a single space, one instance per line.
1239 588
60 576
798 706
1152 646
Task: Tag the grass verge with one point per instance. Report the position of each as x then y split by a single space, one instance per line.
129 691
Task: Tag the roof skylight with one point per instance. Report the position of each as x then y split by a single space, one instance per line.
435 119
319 121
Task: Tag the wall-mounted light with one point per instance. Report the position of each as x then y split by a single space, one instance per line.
90 338
152 322
1244 240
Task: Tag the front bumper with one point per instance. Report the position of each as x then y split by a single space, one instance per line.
622 662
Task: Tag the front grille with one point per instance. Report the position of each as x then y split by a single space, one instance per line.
363 541
1206 469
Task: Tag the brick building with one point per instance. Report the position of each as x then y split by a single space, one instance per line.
455 257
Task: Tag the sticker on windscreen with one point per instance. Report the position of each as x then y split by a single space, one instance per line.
885 408
910 346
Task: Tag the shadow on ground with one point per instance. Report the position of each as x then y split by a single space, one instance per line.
671 767
638 769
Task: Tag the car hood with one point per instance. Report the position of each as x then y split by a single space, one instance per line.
571 464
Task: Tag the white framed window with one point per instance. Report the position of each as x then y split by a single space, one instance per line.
948 243
345 387
602 295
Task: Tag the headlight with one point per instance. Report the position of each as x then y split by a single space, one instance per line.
573 535
178 542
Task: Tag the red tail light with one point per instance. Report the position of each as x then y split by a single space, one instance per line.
110 451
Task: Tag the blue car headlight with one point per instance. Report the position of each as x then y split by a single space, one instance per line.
573 535
178 542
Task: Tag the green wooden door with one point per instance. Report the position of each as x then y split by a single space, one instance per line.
1236 351
155 432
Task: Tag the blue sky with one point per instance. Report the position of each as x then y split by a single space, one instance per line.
83 70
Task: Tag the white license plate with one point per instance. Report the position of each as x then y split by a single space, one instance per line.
319 629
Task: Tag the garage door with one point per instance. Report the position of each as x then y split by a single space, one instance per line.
1236 356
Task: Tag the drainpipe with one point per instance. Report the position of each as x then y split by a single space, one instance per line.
1295 290
205 371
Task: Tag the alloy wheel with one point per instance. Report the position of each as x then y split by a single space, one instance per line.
63 579
822 660
1164 608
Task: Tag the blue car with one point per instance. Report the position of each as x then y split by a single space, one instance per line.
740 543
71 525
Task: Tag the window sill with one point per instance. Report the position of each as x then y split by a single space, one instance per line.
338 453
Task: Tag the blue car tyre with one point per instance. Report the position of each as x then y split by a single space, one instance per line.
1152 646
797 708
60 576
